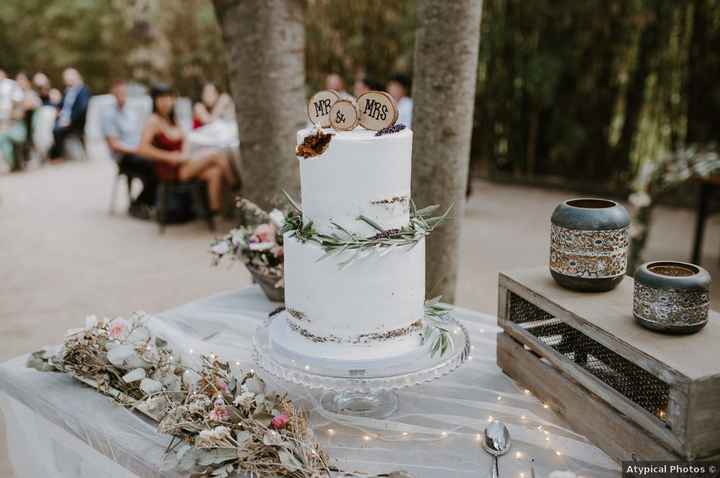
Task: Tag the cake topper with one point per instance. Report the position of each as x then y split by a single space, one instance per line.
376 110
343 115
319 107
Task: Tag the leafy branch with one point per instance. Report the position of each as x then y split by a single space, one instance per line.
436 315
422 223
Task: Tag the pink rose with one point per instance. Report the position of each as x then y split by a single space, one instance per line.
265 233
219 414
279 421
117 328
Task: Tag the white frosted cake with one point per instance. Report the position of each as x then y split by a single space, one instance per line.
374 306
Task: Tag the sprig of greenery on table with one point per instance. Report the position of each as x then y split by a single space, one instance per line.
422 223
436 315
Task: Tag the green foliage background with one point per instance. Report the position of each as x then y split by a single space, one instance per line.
568 91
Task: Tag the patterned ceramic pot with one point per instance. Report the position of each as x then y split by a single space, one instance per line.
589 241
672 297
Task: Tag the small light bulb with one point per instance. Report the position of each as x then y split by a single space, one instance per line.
490 418
331 431
405 434
444 434
366 438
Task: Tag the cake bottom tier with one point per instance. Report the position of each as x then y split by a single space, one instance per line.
354 296
285 335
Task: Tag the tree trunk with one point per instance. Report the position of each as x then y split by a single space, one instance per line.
265 49
446 56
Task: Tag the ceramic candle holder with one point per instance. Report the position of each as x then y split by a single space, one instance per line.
589 241
671 297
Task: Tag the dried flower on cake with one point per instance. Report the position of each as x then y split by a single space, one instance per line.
313 144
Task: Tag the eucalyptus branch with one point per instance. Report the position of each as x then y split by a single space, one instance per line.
421 224
436 315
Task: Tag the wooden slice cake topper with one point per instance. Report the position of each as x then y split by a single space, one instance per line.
376 110
319 107
343 115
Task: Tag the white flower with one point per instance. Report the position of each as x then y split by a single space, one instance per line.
220 248
244 399
91 322
237 237
640 199
277 217
204 439
221 432
261 246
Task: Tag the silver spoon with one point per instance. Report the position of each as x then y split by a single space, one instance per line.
496 443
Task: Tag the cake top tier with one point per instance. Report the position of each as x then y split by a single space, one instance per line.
357 174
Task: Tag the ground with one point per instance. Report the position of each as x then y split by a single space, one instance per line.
63 256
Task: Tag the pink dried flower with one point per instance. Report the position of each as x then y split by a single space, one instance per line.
279 421
265 233
118 327
277 251
219 413
221 385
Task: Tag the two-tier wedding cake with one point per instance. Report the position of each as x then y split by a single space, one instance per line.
352 303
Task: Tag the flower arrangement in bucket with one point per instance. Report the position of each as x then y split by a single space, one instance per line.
258 243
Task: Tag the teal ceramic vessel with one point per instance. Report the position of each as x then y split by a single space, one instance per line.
589 240
672 297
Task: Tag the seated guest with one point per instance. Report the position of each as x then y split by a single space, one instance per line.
121 129
399 87
212 106
164 142
335 82
30 102
73 109
12 128
48 95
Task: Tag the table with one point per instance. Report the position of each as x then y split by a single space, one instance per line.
60 428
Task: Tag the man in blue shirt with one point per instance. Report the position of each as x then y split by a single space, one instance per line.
122 129
73 110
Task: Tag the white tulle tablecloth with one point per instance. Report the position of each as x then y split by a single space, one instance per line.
60 428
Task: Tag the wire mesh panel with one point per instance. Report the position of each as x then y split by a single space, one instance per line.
635 383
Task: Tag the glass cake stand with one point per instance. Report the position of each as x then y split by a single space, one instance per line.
359 387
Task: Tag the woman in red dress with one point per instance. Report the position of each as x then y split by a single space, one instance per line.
164 142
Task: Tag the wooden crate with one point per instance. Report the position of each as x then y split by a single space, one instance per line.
629 390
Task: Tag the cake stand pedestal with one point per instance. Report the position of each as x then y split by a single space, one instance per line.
362 387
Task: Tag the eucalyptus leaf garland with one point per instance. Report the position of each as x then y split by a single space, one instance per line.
422 223
223 421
